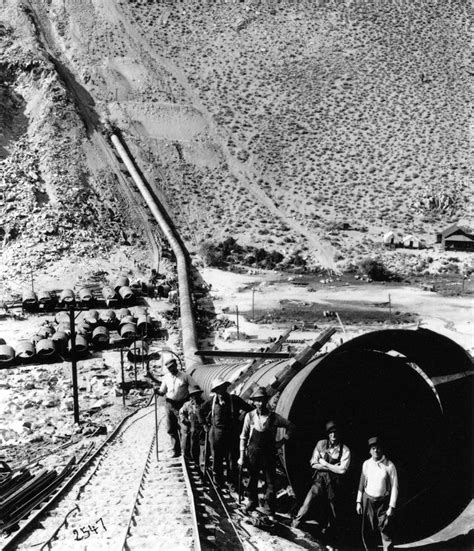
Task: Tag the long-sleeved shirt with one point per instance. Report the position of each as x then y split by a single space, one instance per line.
254 420
323 450
379 479
175 387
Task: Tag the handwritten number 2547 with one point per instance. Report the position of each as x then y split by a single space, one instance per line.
86 532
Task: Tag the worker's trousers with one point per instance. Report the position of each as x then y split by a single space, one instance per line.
375 522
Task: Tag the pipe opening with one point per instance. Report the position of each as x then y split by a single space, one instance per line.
372 393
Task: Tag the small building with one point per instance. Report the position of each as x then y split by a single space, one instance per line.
456 239
390 239
459 243
411 242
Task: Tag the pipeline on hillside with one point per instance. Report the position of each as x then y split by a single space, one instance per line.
188 329
411 387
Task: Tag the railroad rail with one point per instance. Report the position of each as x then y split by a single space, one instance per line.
27 524
218 524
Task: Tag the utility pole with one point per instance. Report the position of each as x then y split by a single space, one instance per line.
390 308
253 304
341 324
237 313
32 279
123 376
75 389
135 361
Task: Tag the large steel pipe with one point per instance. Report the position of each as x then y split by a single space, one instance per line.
186 313
414 388
29 300
7 354
25 350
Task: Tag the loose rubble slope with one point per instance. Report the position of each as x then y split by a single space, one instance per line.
58 196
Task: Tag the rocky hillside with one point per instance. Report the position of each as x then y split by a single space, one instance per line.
59 198
306 128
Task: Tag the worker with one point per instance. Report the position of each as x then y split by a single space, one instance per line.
330 461
192 423
377 497
223 415
258 441
175 387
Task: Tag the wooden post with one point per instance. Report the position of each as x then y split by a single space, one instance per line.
340 323
135 361
390 308
237 312
75 390
123 376
156 423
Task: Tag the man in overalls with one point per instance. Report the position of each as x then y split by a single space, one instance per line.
330 460
258 439
223 413
192 423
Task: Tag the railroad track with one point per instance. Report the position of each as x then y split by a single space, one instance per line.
60 505
218 523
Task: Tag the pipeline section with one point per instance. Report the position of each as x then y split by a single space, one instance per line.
188 329
414 388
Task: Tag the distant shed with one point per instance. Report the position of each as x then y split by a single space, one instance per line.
390 239
411 242
459 243
455 238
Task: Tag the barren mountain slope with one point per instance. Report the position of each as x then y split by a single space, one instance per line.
296 126
350 116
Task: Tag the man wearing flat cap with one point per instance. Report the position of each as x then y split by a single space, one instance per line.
223 413
192 423
330 461
377 497
258 439
175 388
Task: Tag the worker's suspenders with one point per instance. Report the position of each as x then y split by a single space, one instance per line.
329 458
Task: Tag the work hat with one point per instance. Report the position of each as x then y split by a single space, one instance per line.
194 390
170 362
374 441
259 393
218 382
331 426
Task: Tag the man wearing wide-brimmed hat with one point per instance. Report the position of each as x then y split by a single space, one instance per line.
330 461
377 497
175 387
223 414
192 423
258 440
